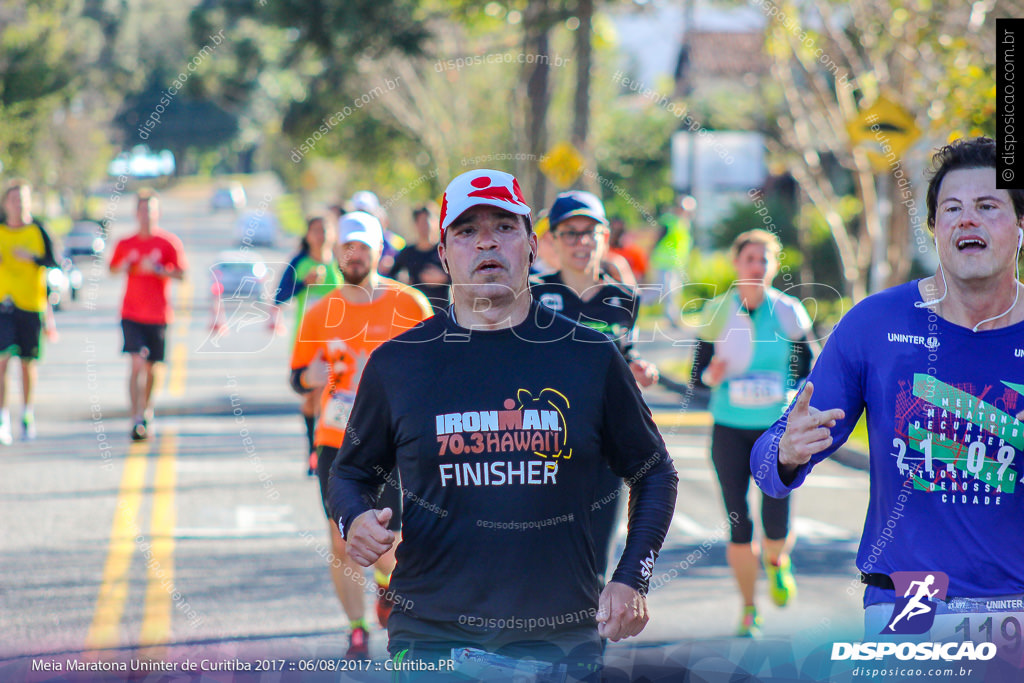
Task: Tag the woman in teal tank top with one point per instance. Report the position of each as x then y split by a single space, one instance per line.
752 351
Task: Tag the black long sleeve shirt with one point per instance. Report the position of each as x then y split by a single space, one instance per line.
500 438
611 310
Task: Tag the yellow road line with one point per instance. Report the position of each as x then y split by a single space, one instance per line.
682 419
159 379
105 630
157 614
179 370
185 306
156 618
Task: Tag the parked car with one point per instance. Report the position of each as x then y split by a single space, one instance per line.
256 228
228 197
239 275
86 238
63 283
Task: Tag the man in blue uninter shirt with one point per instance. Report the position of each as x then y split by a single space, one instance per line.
939 365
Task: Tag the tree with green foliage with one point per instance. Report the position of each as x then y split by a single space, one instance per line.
42 48
288 67
831 60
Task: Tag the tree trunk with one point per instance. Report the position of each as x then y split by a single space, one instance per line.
899 254
581 120
537 77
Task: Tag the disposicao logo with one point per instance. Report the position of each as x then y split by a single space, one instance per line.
914 613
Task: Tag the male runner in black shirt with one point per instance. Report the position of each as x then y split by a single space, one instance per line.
419 265
501 416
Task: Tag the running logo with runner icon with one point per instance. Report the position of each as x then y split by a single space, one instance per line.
914 612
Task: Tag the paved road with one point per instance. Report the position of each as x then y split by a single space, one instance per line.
208 541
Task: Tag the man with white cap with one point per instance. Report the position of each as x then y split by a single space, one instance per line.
335 339
367 202
938 364
500 416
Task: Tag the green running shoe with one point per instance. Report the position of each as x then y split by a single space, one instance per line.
28 427
750 624
781 583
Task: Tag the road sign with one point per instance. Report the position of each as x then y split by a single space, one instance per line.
883 123
562 165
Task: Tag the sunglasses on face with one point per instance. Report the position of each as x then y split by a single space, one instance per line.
577 236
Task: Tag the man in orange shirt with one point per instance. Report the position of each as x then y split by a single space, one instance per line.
334 342
152 258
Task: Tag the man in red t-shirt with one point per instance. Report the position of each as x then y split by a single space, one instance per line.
151 257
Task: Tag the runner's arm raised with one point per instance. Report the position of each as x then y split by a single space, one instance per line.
812 429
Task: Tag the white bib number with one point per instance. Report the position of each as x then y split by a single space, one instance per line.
1005 629
756 389
338 409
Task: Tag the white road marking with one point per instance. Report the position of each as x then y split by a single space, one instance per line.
690 526
695 473
853 482
250 521
689 452
807 528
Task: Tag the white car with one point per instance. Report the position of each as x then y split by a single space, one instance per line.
231 197
239 275
63 283
256 228
86 238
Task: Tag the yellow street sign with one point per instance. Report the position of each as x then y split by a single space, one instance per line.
308 180
885 130
562 165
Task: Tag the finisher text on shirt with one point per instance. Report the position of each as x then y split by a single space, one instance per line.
530 472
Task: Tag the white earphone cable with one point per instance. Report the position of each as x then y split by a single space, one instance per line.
945 288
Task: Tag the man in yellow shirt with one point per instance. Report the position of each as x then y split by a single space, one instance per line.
25 253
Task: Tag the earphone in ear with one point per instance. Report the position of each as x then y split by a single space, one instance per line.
532 257
444 266
1020 237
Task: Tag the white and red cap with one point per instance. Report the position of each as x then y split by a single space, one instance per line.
482 186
